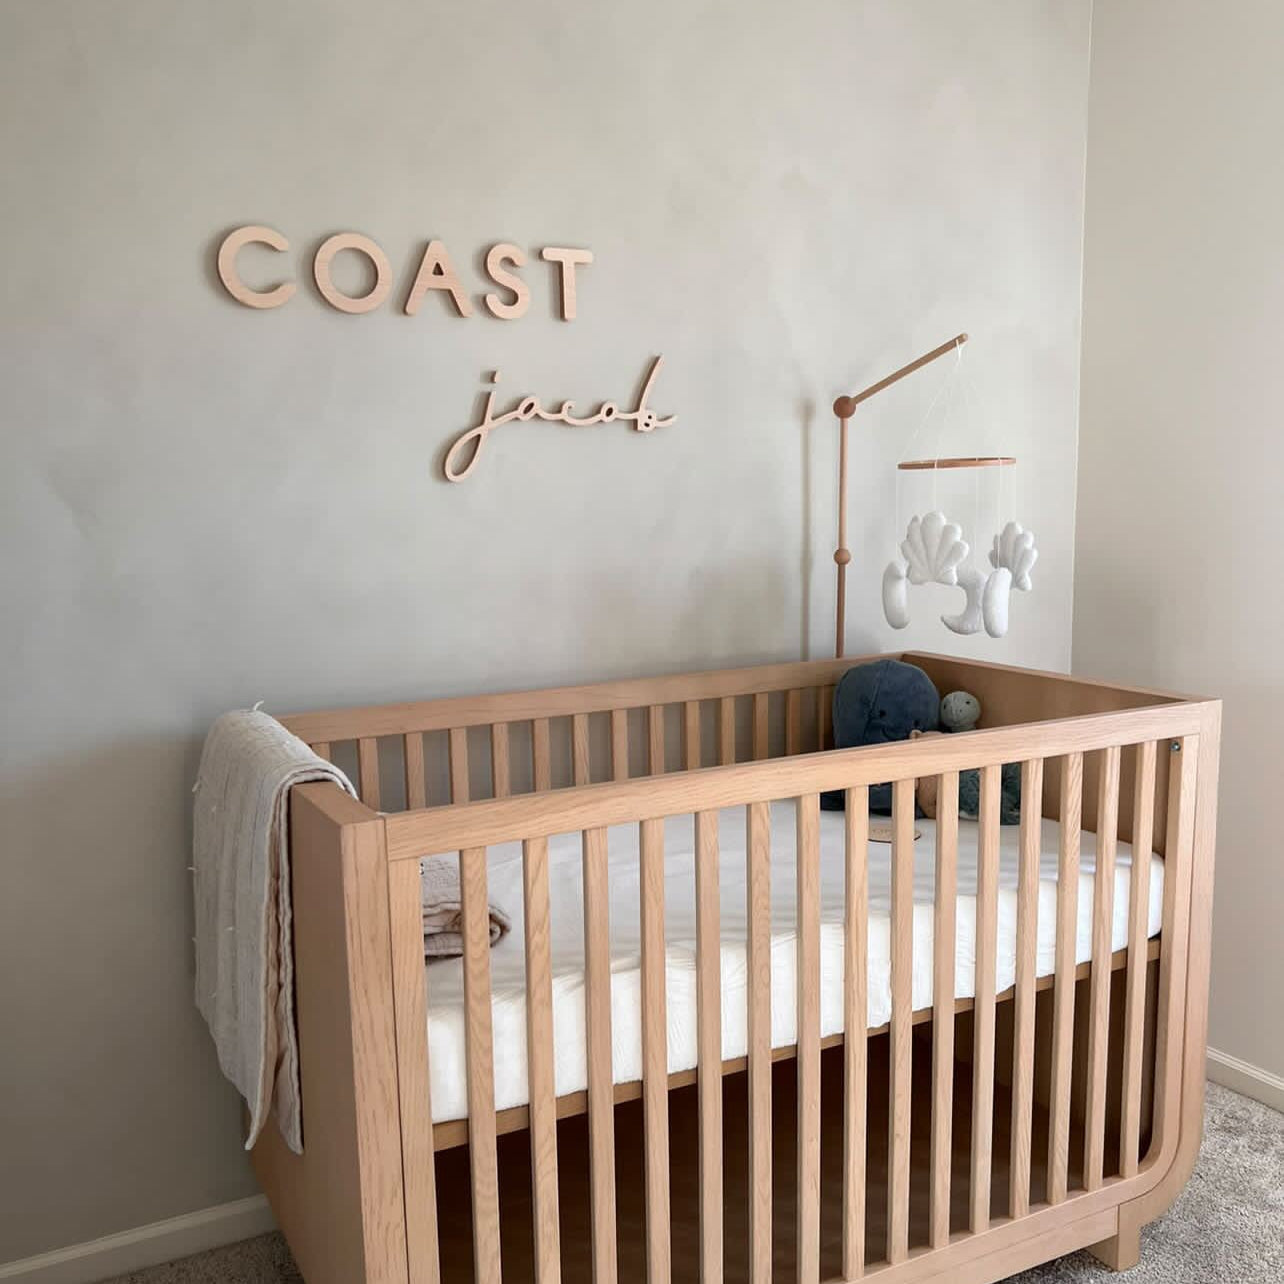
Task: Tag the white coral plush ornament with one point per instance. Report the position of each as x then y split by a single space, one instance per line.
896 594
968 620
994 601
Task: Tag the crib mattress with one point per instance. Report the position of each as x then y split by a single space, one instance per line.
445 979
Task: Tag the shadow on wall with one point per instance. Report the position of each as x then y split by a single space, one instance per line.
807 531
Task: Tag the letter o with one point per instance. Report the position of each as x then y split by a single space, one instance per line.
231 279
363 245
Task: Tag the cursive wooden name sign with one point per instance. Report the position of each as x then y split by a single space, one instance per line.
435 272
470 443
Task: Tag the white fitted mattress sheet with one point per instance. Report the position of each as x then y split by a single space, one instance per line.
508 973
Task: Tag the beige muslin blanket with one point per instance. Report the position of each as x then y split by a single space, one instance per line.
443 929
244 932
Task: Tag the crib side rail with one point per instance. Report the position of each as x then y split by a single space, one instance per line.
430 831
453 751
1080 1191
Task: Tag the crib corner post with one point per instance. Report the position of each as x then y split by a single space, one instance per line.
350 1231
1122 1251
1189 1112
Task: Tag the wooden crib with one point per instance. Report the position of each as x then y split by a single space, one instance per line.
967 1141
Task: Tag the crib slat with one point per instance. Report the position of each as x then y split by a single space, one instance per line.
655 738
322 750
855 1020
943 965
416 784
691 756
760 743
501 784
459 764
411 1015
480 1064
1103 915
727 730
1026 966
655 1067
368 771
808 881
983 1014
601 1101
539 1057
1143 840
902 960
824 717
793 722
541 758
619 744
1178 874
1063 982
580 767
758 846
709 1027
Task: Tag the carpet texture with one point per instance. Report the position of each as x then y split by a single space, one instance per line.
1226 1228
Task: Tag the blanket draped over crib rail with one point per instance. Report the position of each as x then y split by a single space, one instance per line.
244 940
244 916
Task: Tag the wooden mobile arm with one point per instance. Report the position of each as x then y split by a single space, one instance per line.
844 408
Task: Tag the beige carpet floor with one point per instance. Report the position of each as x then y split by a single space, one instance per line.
1226 1228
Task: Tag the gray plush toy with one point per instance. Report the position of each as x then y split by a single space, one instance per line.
961 711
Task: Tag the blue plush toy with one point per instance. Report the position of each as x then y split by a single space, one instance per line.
875 704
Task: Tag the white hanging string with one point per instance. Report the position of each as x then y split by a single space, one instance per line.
1006 495
1009 496
914 436
970 418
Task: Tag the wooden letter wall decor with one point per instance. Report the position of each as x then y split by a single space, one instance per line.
232 282
436 272
363 245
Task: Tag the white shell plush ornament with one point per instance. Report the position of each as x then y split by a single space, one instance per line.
1015 550
934 548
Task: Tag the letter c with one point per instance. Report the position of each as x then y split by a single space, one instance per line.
228 274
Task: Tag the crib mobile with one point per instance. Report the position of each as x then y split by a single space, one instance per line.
934 550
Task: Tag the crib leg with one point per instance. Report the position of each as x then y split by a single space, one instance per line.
1122 1251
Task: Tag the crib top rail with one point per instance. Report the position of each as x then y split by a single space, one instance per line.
1009 694
427 832
560 702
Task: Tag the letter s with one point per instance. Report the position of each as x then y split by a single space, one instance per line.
496 257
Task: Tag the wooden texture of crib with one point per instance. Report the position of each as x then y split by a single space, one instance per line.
965 1142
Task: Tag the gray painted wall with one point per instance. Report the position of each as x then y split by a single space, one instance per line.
1181 449
202 506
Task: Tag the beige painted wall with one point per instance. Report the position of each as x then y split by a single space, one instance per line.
203 506
1181 454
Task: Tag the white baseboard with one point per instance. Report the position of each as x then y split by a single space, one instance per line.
144 1246
1243 1077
